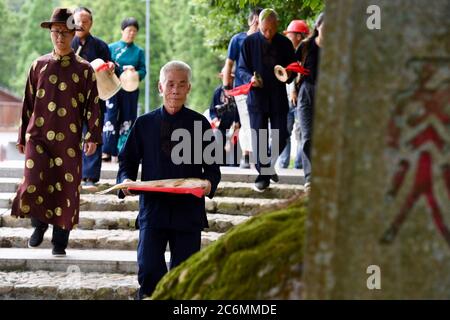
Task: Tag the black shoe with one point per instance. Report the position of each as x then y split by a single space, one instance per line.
58 252
274 178
261 185
37 237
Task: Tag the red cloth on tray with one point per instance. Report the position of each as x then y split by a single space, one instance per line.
198 192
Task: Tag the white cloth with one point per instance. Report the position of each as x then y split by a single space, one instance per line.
245 133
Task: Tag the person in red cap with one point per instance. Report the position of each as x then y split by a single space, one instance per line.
60 96
308 53
296 31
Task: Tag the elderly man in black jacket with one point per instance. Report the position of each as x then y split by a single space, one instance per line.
168 218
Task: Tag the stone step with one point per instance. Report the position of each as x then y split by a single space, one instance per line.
45 285
86 239
14 169
109 202
114 220
107 261
225 189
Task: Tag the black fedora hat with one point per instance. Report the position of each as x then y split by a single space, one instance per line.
61 15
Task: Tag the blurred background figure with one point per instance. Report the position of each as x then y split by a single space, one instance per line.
121 109
296 31
90 48
224 117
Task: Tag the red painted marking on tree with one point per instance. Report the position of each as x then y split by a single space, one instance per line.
432 104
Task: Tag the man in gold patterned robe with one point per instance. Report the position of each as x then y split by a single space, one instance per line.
60 95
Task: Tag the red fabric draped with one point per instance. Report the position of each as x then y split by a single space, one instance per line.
296 67
244 89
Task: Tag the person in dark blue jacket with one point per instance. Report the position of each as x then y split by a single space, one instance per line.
267 99
90 48
168 218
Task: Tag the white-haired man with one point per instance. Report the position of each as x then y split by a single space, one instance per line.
167 218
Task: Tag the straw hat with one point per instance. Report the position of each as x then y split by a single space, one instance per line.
107 82
130 80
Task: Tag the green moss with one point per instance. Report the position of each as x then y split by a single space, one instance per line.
257 259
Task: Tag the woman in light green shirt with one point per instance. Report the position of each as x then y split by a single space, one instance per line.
121 109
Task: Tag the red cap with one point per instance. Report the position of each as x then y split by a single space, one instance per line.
297 26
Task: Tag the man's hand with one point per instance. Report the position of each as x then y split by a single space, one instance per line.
89 148
257 80
215 122
20 148
207 188
294 98
111 66
125 191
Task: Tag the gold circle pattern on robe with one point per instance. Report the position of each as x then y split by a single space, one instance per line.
62 86
53 79
39 122
60 136
30 163
62 112
71 152
73 127
51 106
40 93
75 78
51 135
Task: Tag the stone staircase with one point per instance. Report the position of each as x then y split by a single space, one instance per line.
101 257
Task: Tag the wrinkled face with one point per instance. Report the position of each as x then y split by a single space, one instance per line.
174 90
295 38
61 37
129 33
268 28
83 19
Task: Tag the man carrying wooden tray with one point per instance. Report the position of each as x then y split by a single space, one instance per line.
165 217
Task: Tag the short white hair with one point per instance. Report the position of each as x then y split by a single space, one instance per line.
175 65
266 14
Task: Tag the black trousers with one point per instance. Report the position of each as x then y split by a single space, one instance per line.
259 122
151 248
60 237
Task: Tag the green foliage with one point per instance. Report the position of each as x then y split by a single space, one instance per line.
259 259
195 31
228 17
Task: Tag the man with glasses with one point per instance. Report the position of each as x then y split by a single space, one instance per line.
90 48
60 96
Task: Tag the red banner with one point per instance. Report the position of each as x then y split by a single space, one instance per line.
198 192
